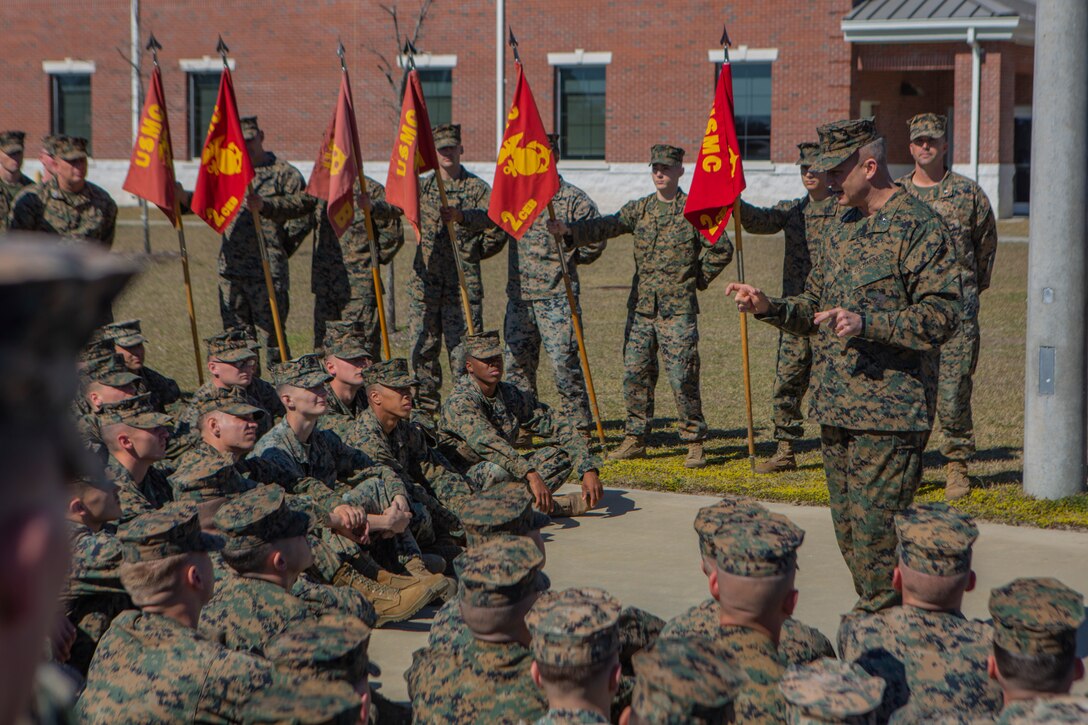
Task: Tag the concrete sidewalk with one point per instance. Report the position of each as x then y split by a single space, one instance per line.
640 546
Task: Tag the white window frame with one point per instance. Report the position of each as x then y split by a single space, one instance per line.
207 64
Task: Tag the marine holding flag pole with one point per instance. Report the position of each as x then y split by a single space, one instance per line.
715 191
151 177
524 130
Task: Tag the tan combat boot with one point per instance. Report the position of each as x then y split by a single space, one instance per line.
782 460
569 504
632 447
444 587
695 458
956 483
390 604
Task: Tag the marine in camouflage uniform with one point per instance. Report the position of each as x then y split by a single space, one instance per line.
798 643
933 658
341 280
829 691
576 636
672 261
684 681
889 281
129 342
477 433
1035 625
802 221
141 486
486 681
286 218
76 209
12 180
972 227
435 312
101 379
202 680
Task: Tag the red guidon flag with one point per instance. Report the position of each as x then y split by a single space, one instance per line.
337 165
413 153
151 168
525 177
719 178
225 168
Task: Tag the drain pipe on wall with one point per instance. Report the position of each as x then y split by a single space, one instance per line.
976 97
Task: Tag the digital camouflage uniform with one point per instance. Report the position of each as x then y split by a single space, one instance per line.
163 390
89 215
108 370
972 230
829 691
672 261
537 309
138 498
575 629
874 394
803 223
286 217
1045 711
685 682
11 142
93 595
341 281
932 661
483 681
202 681
477 433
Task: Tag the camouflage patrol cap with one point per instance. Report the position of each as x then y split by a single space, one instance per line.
931 125
1036 616
124 334
346 339
257 517
505 508
250 129
809 153
231 400
935 538
306 371
392 373
171 530
11 142
136 412
49 144
575 628
839 141
230 346
95 348
501 573
830 691
447 134
483 345
70 148
712 519
1047 710
331 647
661 153
758 546
681 681
307 701
207 479
109 370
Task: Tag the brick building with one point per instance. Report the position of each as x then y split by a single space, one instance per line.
612 77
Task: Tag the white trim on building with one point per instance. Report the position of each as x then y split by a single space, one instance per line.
430 60
580 57
68 66
207 64
743 54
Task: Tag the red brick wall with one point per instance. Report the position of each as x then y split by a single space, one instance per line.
659 81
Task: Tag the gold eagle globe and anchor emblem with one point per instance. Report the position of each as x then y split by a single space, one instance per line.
532 158
220 159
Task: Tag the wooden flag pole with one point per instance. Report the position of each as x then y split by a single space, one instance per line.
576 320
738 232
451 228
375 261
276 324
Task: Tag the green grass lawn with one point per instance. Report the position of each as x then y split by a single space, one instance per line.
158 298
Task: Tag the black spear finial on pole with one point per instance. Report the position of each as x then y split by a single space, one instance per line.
340 52
725 42
410 54
154 46
222 49
513 42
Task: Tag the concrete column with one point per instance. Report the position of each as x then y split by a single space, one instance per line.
1056 373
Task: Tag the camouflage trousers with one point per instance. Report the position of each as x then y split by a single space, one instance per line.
871 476
243 304
552 463
434 316
356 309
677 337
791 376
959 356
528 323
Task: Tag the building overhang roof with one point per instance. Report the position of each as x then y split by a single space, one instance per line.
940 21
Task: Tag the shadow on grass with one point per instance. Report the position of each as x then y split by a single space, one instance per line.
998 454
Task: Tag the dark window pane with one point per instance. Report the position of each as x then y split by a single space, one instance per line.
438 90
751 108
203 91
581 111
72 106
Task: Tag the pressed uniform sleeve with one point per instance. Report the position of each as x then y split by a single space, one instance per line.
603 228
581 209
465 419
491 238
765 220
794 314
390 231
984 237
109 222
716 257
290 200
